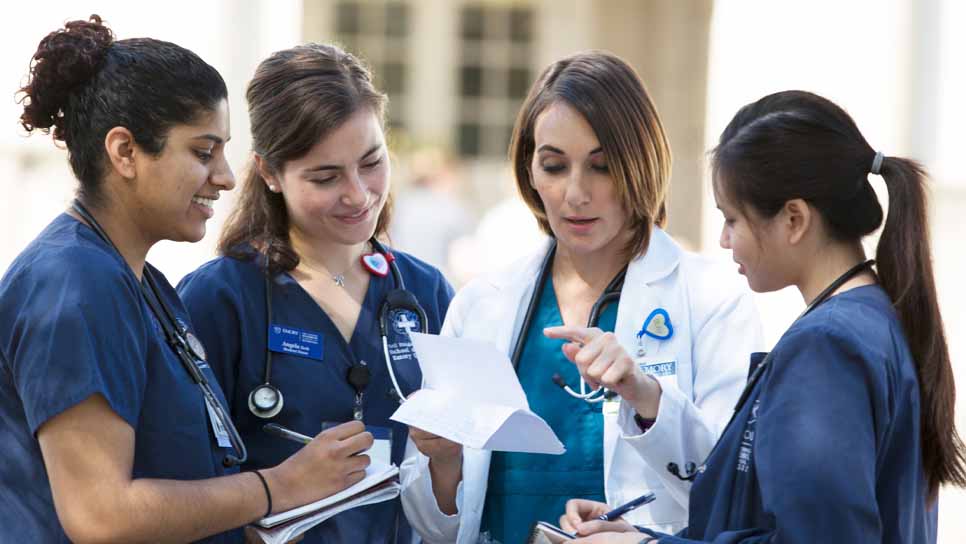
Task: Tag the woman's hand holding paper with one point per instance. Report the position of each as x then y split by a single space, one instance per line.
445 466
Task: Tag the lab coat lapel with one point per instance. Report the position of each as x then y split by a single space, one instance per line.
515 296
638 299
511 296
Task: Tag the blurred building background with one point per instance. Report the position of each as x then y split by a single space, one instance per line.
457 70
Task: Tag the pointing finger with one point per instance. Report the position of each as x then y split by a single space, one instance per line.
581 335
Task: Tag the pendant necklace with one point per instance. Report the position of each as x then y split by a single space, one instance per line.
338 279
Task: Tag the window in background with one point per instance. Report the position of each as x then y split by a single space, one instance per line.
494 74
379 33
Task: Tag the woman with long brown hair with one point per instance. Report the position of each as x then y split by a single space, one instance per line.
307 313
845 431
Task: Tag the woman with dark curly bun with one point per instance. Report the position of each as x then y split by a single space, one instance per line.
113 426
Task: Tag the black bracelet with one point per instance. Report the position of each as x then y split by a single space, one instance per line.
268 494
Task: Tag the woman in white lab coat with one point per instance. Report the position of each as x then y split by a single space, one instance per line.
592 162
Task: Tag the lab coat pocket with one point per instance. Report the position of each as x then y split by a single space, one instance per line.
664 514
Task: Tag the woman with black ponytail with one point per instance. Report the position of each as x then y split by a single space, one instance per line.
112 426
845 431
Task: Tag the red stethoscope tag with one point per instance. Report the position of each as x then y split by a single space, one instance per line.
376 263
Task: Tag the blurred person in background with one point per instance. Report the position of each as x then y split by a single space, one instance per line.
592 162
428 214
845 432
113 426
506 233
296 309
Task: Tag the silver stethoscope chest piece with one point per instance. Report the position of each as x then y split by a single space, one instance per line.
265 401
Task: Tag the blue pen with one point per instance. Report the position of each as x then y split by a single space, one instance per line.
627 507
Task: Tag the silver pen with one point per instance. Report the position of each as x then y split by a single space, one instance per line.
282 432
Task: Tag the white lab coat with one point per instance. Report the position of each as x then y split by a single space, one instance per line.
715 328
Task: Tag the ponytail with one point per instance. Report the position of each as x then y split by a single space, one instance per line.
796 144
905 272
259 219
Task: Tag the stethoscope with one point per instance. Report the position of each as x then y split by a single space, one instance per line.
266 400
612 293
691 470
186 345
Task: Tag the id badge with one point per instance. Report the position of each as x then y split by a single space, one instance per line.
294 341
611 407
658 367
219 430
381 449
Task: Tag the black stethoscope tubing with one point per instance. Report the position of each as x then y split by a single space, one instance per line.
690 470
358 376
187 348
611 294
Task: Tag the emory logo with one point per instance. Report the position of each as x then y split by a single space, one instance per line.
405 322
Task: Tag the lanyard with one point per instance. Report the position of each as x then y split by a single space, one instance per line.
822 297
690 470
186 346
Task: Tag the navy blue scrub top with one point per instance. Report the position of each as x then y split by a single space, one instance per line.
826 448
226 299
73 324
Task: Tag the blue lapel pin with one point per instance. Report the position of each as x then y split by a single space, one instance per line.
657 325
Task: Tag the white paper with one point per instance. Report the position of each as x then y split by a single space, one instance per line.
381 451
472 396
287 525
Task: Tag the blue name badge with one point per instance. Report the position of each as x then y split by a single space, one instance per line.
283 339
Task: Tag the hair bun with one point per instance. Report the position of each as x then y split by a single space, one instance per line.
65 59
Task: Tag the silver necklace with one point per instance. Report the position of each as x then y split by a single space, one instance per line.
338 279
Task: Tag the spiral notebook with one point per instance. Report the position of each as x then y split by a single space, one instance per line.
380 484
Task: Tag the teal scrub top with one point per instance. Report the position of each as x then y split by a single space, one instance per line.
525 487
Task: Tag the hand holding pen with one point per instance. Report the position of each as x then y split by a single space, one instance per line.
626 507
584 517
277 430
326 464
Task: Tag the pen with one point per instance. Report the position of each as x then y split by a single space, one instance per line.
627 507
282 432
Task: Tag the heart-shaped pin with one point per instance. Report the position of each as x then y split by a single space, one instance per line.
376 263
657 325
